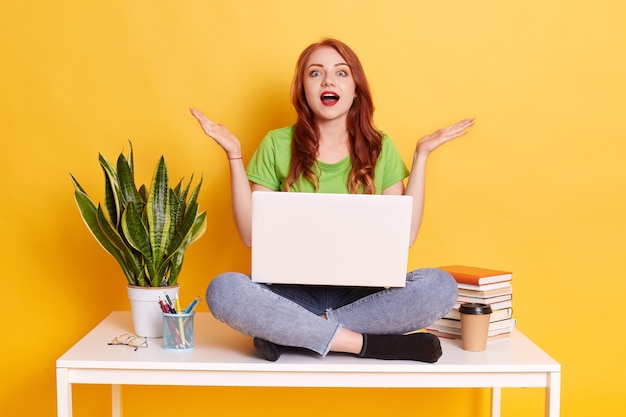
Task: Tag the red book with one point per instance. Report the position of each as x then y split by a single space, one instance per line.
477 276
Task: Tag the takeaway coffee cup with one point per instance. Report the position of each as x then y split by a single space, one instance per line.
474 326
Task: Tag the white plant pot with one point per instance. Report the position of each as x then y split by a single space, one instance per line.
147 314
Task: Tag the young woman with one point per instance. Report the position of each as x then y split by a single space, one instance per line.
333 147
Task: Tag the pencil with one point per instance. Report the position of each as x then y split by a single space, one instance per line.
181 328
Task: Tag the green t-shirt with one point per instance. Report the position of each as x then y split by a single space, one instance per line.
269 166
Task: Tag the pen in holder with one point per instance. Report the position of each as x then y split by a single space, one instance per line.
178 330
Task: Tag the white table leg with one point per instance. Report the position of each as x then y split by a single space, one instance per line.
64 393
116 400
553 395
496 401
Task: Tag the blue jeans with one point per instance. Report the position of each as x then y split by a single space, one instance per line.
290 314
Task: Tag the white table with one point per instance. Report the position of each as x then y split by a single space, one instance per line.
223 357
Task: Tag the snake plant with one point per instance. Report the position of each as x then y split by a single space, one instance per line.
146 231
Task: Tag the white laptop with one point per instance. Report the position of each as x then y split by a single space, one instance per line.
330 239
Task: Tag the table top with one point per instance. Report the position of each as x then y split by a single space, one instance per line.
220 348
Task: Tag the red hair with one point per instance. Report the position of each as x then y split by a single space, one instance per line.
365 140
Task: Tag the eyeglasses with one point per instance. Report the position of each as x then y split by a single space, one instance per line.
130 340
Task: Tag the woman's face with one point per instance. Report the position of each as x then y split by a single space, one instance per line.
328 84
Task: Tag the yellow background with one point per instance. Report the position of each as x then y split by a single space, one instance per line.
538 187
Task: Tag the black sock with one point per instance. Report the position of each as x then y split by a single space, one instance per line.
423 347
268 350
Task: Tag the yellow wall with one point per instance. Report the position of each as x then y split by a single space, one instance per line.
538 187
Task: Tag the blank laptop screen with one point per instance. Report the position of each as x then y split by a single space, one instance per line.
330 239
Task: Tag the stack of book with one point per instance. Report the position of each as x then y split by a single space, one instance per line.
485 286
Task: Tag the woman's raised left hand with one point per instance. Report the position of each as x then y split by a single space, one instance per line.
430 142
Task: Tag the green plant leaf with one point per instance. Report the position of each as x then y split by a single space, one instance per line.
199 227
126 180
197 230
176 264
112 196
181 195
159 216
88 213
131 159
138 237
176 211
183 231
195 193
131 261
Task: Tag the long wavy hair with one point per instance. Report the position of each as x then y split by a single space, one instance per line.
365 139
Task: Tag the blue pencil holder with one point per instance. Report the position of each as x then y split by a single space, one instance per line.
178 331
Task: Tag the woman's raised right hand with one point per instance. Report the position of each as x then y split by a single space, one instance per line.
219 133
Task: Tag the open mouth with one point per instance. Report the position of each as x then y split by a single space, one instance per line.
329 98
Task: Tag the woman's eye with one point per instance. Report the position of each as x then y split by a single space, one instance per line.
315 74
342 73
